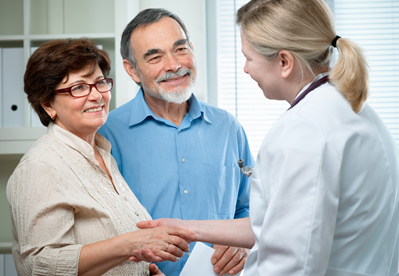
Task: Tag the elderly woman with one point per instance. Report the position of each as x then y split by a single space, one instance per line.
325 188
72 212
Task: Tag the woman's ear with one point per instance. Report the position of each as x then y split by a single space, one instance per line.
286 62
49 109
131 71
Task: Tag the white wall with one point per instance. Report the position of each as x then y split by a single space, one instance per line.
192 12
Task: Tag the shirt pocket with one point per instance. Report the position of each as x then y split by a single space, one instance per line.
222 189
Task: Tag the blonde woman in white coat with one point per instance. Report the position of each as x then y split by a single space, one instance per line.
324 193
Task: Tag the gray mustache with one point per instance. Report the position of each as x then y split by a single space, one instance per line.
180 72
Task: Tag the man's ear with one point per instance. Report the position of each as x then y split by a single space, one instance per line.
131 71
49 109
286 62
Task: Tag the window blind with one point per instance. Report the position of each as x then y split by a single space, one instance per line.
374 25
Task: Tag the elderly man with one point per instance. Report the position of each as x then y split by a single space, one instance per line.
177 154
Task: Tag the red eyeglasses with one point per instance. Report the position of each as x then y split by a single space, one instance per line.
84 89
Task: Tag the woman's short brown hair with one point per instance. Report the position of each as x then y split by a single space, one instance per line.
54 60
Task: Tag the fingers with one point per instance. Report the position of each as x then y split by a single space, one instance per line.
219 251
238 268
139 255
168 235
154 271
134 259
229 260
147 224
180 232
159 244
163 255
170 253
180 243
172 249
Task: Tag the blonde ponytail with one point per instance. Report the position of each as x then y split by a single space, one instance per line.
350 73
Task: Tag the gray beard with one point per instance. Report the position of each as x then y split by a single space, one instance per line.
178 97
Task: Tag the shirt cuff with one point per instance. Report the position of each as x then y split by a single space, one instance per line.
58 261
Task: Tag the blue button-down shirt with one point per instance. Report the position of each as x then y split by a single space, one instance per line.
185 172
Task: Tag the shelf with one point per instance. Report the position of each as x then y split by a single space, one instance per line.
21 133
29 23
11 37
18 140
5 247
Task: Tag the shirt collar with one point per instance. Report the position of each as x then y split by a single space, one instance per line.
142 111
77 143
196 110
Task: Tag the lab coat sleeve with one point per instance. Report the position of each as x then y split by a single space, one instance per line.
299 173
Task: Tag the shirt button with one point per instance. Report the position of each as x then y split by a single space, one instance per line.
125 197
184 160
189 253
185 191
179 130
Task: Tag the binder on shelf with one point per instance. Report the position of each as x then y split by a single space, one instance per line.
13 96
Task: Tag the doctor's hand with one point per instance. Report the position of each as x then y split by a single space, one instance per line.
162 222
228 259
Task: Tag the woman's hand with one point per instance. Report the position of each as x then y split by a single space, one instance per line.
158 244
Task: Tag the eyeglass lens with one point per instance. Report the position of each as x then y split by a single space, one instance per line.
83 89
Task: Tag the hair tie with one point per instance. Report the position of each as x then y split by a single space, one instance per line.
334 42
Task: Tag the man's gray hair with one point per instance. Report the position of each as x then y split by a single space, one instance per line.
144 18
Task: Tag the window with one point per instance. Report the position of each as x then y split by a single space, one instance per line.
374 25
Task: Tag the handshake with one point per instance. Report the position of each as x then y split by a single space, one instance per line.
168 239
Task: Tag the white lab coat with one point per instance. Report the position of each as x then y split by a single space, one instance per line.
324 193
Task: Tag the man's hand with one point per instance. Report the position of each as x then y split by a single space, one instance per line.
154 271
228 259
